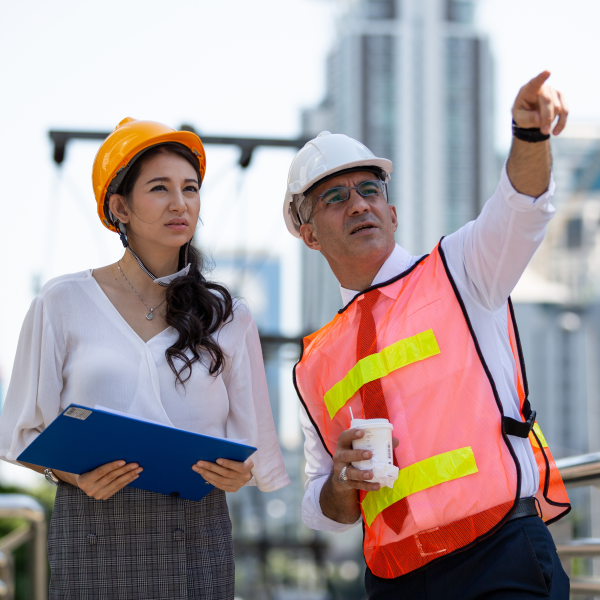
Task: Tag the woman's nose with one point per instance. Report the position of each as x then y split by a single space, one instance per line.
177 201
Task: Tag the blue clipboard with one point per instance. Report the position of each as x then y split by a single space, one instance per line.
82 439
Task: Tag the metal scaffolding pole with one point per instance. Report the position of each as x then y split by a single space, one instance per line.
246 145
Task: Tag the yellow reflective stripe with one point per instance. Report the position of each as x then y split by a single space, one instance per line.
421 476
401 353
540 435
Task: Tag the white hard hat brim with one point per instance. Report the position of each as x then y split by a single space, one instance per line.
382 163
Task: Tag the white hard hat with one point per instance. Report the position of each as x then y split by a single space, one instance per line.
326 155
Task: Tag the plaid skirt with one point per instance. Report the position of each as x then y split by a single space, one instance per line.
140 545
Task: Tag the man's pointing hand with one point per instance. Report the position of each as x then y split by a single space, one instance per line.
538 105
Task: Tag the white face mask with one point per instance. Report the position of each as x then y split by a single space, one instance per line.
168 278
164 281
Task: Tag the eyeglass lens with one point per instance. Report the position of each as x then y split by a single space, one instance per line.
366 188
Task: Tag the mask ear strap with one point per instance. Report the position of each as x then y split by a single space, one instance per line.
123 234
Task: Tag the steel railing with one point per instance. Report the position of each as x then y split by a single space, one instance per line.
35 531
576 471
579 471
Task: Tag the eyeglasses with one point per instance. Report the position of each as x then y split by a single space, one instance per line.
365 189
340 194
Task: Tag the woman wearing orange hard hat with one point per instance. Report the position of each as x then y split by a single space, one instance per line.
148 336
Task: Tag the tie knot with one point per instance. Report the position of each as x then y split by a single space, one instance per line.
368 301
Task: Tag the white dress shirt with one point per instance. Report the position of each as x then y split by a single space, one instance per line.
75 347
486 258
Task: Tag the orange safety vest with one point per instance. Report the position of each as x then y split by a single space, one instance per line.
458 471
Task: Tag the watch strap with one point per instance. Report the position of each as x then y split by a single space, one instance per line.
531 135
51 477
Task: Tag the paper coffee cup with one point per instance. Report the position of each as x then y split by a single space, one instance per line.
377 439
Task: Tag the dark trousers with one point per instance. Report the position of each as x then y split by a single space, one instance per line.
519 562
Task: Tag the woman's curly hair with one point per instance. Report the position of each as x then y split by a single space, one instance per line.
196 308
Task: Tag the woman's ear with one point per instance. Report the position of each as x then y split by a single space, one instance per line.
118 207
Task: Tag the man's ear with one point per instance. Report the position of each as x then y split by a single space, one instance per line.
394 217
118 207
309 236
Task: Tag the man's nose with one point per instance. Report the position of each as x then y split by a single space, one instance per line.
357 204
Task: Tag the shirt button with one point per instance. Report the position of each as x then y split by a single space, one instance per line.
178 535
91 538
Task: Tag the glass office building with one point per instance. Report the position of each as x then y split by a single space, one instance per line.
411 79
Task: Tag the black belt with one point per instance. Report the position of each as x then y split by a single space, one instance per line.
526 508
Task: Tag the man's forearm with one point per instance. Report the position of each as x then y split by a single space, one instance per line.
338 503
529 167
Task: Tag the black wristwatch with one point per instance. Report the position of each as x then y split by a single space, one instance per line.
51 477
531 135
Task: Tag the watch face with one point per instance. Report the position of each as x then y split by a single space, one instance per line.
50 476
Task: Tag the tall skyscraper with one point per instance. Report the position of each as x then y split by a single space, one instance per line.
411 79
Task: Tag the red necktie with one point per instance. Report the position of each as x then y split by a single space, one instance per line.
373 400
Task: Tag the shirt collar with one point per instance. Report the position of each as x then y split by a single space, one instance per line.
397 262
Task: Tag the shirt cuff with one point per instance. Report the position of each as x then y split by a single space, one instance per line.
313 516
522 202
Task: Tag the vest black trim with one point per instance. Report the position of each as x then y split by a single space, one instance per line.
527 405
496 397
294 379
519 348
385 283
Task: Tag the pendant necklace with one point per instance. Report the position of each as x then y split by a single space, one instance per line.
150 315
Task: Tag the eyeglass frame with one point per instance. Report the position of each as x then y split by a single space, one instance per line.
385 194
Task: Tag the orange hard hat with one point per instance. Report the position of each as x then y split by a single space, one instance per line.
129 139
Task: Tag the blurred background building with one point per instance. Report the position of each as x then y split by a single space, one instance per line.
413 80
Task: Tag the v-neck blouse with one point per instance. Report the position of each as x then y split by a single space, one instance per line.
76 348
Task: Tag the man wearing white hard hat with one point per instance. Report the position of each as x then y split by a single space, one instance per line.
456 506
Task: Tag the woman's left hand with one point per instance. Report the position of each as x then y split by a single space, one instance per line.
227 475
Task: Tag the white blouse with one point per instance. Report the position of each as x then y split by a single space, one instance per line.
76 348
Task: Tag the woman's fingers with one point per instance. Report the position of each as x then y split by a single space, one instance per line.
242 467
216 479
100 472
116 473
223 483
227 468
118 484
105 481
228 475
204 467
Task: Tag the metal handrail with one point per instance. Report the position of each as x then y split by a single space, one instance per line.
28 508
579 547
580 470
585 586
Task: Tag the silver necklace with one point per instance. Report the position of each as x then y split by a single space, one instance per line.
150 315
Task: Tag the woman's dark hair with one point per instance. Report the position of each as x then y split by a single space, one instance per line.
196 308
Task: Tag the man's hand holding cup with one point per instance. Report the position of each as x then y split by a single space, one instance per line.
345 476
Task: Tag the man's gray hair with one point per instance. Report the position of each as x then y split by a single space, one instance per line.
304 207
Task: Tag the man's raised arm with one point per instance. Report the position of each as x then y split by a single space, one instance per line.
537 106
491 253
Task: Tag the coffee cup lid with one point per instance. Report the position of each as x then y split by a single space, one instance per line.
368 423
